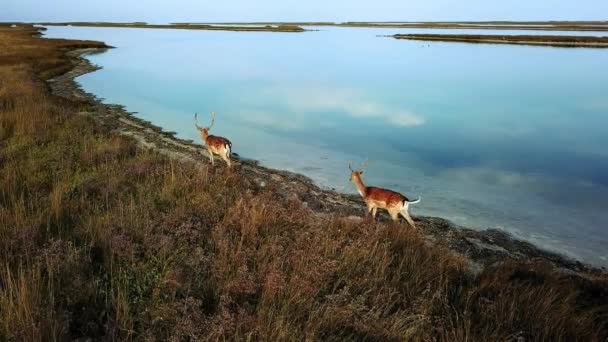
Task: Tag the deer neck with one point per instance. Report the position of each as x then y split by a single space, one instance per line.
360 186
204 134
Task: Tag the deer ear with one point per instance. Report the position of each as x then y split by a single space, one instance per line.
360 172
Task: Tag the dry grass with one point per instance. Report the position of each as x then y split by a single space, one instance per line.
101 239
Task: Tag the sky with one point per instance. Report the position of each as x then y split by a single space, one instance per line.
165 11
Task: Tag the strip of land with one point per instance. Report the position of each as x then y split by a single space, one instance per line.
560 41
112 229
244 28
480 25
533 26
598 26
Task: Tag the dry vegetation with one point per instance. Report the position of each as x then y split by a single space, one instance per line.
102 239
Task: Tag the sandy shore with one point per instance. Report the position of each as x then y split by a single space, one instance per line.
481 247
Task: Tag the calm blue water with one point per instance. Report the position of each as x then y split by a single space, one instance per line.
510 137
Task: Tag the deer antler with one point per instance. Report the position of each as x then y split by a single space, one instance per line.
350 165
212 119
365 165
196 121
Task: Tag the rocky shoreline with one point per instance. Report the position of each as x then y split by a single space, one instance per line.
482 248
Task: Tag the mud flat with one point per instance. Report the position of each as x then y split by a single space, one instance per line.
559 41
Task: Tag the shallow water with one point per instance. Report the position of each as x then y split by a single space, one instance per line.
501 136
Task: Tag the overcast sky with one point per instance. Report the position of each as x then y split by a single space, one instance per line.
163 11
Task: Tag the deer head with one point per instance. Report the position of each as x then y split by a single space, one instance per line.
356 174
204 130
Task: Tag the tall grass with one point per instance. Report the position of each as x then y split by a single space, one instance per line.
104 240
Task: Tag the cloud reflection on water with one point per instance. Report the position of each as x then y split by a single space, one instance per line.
322 99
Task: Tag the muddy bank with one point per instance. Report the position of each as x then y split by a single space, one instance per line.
483 248
559 41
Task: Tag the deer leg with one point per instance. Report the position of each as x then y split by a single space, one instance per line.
374 212
394 215
226 158
369 210
407 217
210 156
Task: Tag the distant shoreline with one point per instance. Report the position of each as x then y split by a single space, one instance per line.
536 40
477 25
601 26
260 28
558 41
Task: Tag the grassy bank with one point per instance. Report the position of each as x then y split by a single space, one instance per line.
560 41
100 238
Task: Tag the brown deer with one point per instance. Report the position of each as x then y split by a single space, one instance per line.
218 145
394 202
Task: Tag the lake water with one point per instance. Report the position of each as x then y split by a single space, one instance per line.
501 136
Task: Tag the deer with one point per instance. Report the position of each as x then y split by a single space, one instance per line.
395 203
215 144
